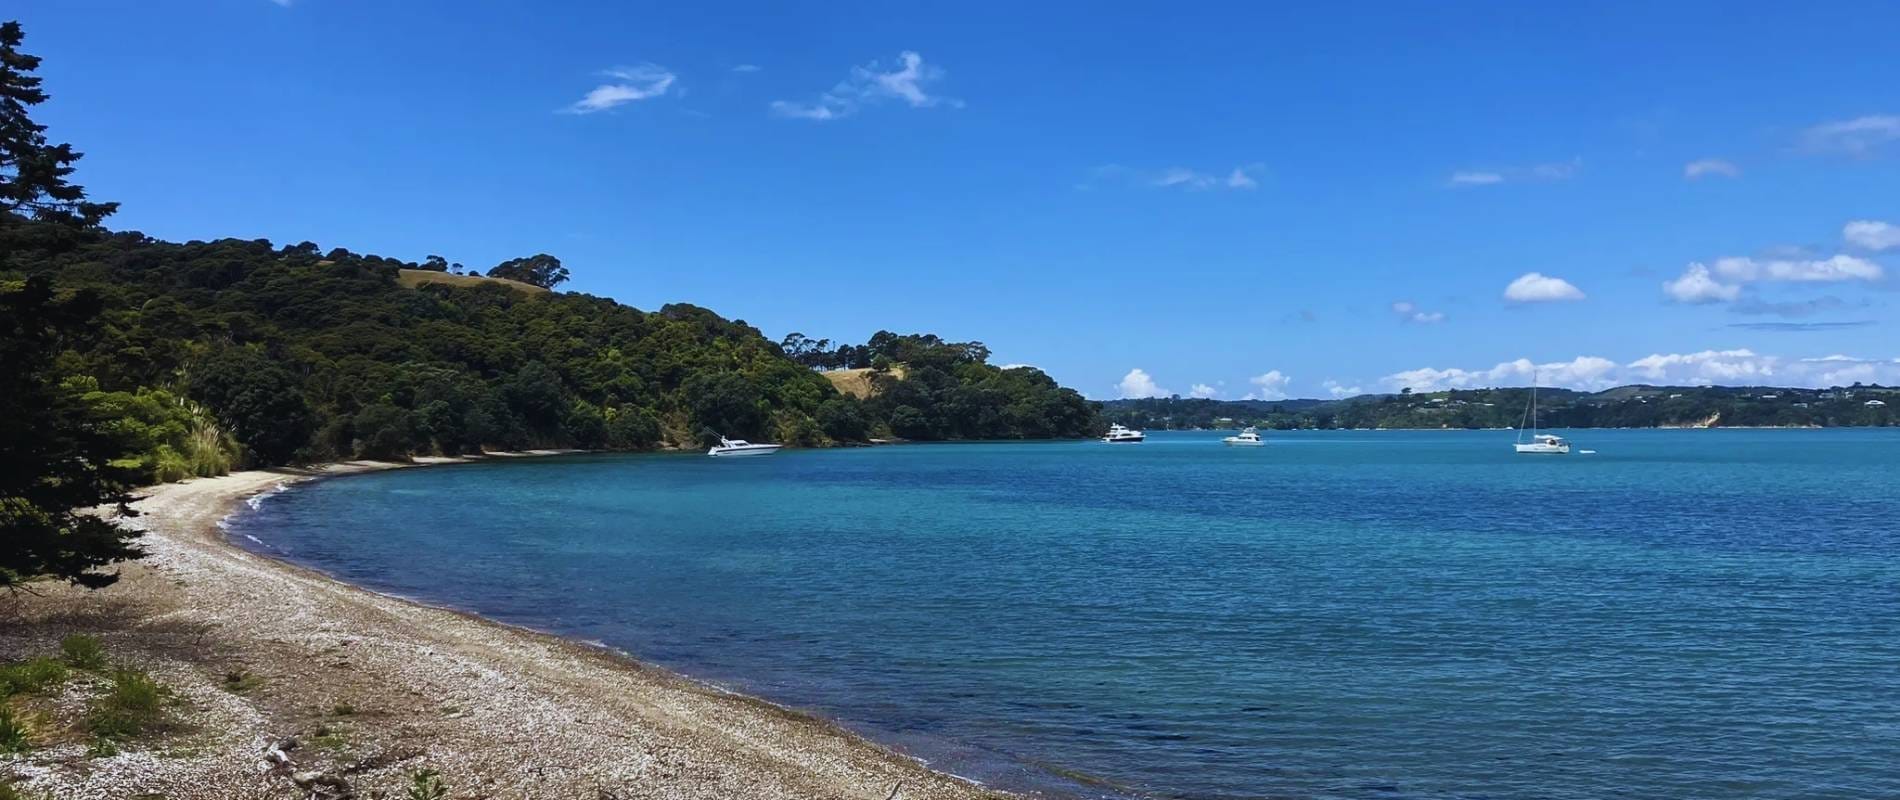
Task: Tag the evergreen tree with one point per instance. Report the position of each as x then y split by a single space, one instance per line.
57 457
33 173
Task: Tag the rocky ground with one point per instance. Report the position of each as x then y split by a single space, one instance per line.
287 684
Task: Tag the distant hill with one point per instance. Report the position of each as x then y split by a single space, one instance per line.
1634 406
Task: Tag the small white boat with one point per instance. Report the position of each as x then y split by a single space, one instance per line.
741 447
1538 443
1247 437
1117 434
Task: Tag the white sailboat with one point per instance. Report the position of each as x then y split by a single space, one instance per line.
1247 437
1536 443
741 447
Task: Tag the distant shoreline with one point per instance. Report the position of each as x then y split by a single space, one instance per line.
499 707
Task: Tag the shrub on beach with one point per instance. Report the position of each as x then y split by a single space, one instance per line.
30 676
13 731
82 651
133 705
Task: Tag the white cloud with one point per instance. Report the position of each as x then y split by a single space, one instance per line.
1138 383
1241 177
1708 367
1697 286
1592 373
1269 386
643 82
1711 167
1857 138
1552 171
1721 283
1337 389
1872 234
1203 391
1825 270
745 68
1410 312
870 84
1475 178
1019 366
1536 287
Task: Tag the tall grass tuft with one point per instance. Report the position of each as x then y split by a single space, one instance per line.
30 676
133 705
426 784
83 652
13 731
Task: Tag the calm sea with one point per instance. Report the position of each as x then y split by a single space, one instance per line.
1683 614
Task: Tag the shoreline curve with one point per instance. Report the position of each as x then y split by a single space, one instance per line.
387 685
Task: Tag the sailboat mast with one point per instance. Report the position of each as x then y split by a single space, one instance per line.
1533 405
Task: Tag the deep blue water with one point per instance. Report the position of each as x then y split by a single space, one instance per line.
1685 614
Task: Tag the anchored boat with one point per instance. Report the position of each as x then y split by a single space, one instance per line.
741 447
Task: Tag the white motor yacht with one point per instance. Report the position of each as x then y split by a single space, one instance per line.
1118 434
741 447
1247 437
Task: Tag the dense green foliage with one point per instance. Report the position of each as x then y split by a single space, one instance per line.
540 269
58 455
1622 407
949 390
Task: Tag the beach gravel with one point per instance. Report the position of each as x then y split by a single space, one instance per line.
373 688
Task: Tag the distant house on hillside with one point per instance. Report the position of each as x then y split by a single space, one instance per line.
1874 403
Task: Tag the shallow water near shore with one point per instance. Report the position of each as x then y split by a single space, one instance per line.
1683 614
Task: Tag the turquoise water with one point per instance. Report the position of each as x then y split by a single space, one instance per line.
1685 614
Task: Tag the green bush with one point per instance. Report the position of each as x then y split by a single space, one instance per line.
133 705
30 676
83 652
7 792
13 731
426 784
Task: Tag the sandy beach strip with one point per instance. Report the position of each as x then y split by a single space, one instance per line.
376 687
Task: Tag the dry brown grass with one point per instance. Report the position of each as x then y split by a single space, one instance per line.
414 278
857 382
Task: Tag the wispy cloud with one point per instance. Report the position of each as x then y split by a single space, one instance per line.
1241 178
1491 176
1475 178
630 84
1873 235
1860 137
871 84
1756 307
1583 372
745 68
1138 384
1203 391
1409 311
1536 287
1800 327
1739 366
1710 168
1337 389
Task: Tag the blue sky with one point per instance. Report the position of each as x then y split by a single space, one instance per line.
1230 200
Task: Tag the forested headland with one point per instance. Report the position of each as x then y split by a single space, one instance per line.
1621 407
